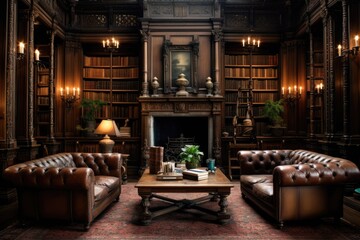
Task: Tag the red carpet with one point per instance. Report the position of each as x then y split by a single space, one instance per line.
120 221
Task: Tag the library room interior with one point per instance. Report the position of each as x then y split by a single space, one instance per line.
179 119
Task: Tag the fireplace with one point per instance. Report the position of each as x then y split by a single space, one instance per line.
193 116
196 127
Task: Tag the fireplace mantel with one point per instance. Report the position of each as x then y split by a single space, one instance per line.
191 106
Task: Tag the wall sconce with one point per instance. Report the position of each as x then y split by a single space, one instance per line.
319 89
21 51
69 99
292 94
250 42
110 45
354 51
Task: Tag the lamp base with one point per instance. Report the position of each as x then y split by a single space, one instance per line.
106 144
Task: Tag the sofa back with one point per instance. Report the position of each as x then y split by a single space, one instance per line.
262 161
55 160
108 164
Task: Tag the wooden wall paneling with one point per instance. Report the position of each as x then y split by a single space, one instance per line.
72 78
3 56
21 78
155 64
204 63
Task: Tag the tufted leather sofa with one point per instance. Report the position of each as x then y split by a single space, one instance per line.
73 187
295 184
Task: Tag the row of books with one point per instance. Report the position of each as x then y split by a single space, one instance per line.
116 61
257 84
117 72
256 72
230 110
116 97
192 174
256 59
116 85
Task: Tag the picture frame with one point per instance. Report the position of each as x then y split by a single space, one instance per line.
180 59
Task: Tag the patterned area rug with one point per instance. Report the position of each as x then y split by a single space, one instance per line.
121 221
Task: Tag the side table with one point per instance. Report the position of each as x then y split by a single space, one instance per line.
352 210
124 158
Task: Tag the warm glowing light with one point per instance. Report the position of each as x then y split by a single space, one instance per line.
21 48
37 55
339 50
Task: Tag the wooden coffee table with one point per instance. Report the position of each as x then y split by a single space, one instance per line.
217 186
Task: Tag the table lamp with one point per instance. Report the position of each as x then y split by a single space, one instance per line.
107 127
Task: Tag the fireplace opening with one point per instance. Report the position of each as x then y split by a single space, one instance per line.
188 127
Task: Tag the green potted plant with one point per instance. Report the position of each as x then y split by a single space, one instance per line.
273 110
90 107
191 156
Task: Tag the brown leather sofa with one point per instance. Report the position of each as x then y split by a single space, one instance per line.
295 184
73 187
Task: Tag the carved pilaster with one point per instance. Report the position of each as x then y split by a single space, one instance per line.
9 141
218 37
346 73
30 120
145 85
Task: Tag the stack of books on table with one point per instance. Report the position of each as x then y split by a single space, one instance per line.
195 174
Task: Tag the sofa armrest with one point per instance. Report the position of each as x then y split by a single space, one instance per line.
331 173
50 177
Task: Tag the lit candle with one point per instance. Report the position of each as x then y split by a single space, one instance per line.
283 90
61 91
289 90
254 41
300 88
321 86
21 47
103 43
258 43
295 89
74 91
249 40
243 42
356 40
37 55
78 91
317 88
67 91
339 50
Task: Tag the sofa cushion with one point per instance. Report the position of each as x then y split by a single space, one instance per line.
104 185
249 180
264 191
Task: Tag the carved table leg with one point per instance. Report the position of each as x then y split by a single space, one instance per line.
146 215
223 215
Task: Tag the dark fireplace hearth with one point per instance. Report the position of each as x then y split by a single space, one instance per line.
187 127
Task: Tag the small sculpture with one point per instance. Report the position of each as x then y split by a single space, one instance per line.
155 85
182 82
209 86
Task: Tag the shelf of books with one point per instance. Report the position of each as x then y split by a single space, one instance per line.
116 82
262 70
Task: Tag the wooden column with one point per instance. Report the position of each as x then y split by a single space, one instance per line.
7 98
145 86
30 133
346 72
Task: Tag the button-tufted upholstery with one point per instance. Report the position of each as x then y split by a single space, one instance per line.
74 187
295 184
